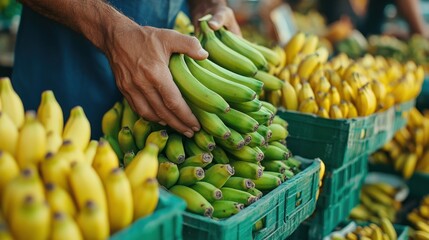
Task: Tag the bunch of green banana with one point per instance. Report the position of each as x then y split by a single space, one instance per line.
383 230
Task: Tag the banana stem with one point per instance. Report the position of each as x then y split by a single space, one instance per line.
206 29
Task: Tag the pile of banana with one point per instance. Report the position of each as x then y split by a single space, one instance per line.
56 183
419 219
377 201
341 87
381 231
408 152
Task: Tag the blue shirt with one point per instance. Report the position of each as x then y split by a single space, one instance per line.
51 56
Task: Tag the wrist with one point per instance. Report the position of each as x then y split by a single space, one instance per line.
198 6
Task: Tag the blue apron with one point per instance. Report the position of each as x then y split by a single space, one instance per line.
51 56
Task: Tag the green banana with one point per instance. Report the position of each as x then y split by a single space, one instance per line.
289 174
228 90
129 117
267 182
168 174
234 142
265 132
225 209
239 121
194 201
128 158
174 149
293 162
282 176
199 160
250 106
272 152
274 166
193 90
271 56
111 122
247 138
158 138
257 139
281 121
231 194
225 56
119 108
239 183
258 225
279 132
204 140
271 82
208 191
115 145
279 145
242 47
263 115
141 131
162 158
247 154
218 174
190 175
247 169
126 140
255 192
219 155
191 148
269 106
210 122
249 82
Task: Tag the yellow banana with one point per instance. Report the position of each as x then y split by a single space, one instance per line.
63 227
423 162
323 85
55 170
53 142
70 152
105 159
11 103
309 105
322 112
347 93
335 112
415 118
50 113
93 221
323 100
144 166
323 54
274 97
315 78
305 92
334 95
310 44
31 146
379 90
308 65
333 77
9 129
344 107
284 74
78 128
389 101
90 151
146 195
421 235
294 45
111 121
8 170
366 101
59 200
409 166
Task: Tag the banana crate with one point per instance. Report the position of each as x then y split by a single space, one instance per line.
422 101
165 222
281 211
337 141
343 181
344 228
401 114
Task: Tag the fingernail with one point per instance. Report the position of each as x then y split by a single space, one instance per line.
196 129
162 123
214 24
188 134
202 52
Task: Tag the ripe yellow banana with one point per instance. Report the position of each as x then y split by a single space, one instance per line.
9 129
294 45
31 146
50 113
309 105
308 66
93 221
53 142
306 92
8 170
388 228
144 166
90 151
409 166
146 195
335 112
289 98
379 90
70 152
78 128
347 92
334 95
111 121
323 54
310 44
344 107
55 170
323 100
64 227
322 112
105 159
323 85
366 101
11 103
59 200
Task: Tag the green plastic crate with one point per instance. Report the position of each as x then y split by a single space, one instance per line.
337 142
342 181
282 210
422 101
401 230
401 114
164 224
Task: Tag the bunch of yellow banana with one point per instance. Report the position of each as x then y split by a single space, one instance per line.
183 24
419 219
384 230
377 201
57 184
341 87
408 152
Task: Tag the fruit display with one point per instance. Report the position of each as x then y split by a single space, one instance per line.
341 87
408 152
419 220
384 230
57 183
377 202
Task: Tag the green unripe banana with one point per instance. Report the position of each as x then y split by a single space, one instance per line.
279 145
129 117
162 158
255 192
274 166
115 145
257 139
258 225
239 196
234 142
279 120
204 140
174 148
168 174
267 182
239 121
272 152
293 162
245 107
141 131
247 138
269 106
265 132
270 55
219 156
208 191
191 148
276 174
199 160
210 122
128 158
239 183
194 201
190 175
158 138
126 140
262 116
289 174
247 169
218 174
271 82
225 209
246 153
279 132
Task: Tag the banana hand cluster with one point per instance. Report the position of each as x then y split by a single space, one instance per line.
408 152
419 218
340 88
380 231
44 160
377 201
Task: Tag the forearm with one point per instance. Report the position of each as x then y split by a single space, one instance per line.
94 19
411 11
197 5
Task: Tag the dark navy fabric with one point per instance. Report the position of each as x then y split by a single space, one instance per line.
49 55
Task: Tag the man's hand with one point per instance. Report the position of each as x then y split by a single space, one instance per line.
139 58
222 15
